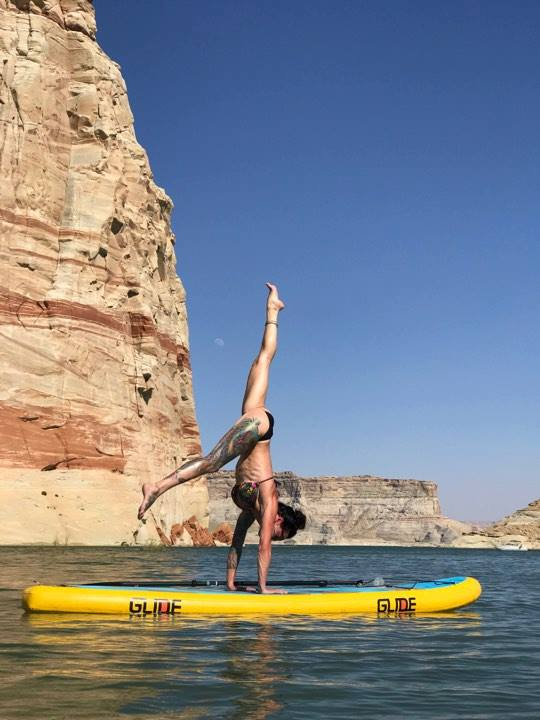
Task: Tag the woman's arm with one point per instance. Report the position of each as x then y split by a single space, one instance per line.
244 522
269 508
265 546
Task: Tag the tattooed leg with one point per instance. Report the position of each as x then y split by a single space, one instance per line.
239 440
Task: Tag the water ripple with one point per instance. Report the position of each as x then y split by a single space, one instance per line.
481 662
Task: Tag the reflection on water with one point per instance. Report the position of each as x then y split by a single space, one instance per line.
74 620
256 670
481 662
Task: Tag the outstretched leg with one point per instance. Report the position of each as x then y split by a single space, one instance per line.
257 382
239 440
244 435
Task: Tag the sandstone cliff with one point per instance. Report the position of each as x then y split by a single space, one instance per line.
95 385
521 528
351 510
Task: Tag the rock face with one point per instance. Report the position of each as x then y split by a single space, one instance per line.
95 385
351 510
521 528
192 534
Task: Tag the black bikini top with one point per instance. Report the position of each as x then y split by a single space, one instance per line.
268 434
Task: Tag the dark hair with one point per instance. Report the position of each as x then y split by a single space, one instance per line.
293 520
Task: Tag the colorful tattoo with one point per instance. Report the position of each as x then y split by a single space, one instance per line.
188 465
233 558
241 438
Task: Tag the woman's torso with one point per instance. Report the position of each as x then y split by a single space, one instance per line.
253 469
256 466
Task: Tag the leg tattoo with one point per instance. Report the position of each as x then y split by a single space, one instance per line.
233 558
239 440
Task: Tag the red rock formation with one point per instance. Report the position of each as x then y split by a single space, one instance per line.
200 535
177 531
95 388
163 538
223 533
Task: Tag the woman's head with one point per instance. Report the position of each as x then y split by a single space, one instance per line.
291 521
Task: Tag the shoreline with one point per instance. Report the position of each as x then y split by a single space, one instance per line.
353 543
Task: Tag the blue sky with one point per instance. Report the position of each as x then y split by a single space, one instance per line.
379 161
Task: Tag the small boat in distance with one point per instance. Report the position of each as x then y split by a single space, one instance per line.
512 545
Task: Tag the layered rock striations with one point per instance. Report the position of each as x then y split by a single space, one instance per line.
520 529
524 522
351 510
95 386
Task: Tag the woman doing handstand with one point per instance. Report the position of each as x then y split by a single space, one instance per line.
255 490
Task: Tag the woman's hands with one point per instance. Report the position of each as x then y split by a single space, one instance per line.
257 589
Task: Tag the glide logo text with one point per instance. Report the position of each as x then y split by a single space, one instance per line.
396 605
140 606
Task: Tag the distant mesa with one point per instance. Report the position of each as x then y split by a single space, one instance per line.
367 510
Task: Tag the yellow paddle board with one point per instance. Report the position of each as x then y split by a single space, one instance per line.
166 598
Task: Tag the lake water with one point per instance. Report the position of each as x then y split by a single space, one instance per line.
478 662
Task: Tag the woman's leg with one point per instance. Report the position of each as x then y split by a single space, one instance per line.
244 435
257 382
239 440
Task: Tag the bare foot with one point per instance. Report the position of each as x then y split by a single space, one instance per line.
150 495
273 302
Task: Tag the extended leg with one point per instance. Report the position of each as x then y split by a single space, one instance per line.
239 440
257 382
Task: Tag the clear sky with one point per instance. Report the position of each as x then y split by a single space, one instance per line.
379 161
